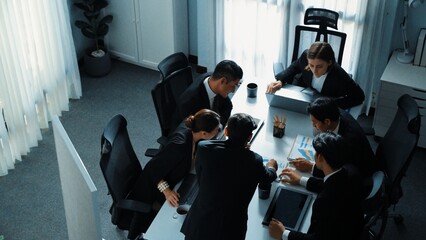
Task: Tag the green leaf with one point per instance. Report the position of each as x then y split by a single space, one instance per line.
81 24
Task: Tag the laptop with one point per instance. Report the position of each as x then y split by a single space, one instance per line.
292 97
289 206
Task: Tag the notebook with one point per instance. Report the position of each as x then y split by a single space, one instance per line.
292 97
288 206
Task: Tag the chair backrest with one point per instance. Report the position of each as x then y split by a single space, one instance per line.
119 163
172 63
375 207
165 96
395 150
305 36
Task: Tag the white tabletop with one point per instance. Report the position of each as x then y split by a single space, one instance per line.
167 223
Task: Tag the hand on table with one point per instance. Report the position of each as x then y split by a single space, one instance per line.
172 197
290 176
272 163
274 86
276 228
302 164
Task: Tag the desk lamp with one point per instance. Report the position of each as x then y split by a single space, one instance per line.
406 56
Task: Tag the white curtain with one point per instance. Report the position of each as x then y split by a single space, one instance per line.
38 72
257 33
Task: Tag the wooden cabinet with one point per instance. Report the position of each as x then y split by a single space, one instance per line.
398 79
144 32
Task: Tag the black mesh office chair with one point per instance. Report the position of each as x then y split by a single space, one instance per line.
375 208
121 168
165 96
172 63
305 35
395 150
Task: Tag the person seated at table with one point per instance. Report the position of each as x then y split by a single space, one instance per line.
327 117
211 91
228 173
337 210
317 68
174 161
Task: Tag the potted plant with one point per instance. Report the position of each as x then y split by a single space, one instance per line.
97 61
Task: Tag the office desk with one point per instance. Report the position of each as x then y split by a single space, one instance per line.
167 223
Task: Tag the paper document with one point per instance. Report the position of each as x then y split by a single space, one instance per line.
302 148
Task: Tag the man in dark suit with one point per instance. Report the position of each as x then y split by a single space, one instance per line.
228 173
211 92
337 211
327 117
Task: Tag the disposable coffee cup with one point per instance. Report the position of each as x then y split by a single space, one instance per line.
264 190
251 90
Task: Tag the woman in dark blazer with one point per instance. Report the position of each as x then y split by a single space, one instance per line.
174 161
317 68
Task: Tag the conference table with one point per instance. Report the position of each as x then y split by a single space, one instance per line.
167 223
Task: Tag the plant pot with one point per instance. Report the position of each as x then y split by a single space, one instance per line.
97 66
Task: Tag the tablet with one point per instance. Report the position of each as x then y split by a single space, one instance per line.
288 206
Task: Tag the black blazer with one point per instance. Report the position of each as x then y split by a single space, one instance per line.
195 98
338 84
228 176
337 211
360 156
172 164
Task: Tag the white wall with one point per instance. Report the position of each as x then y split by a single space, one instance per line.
80 41
416 21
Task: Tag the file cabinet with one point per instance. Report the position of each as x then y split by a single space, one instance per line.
144 32
398 79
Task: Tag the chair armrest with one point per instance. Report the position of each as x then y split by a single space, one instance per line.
133 205
151 152
162 140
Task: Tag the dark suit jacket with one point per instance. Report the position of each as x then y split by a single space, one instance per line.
338 84
360 156
172 164
336 213
195 98
228 176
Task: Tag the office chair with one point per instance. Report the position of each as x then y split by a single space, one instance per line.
305 35
375 208
172 63
165 96
395 150
121 168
